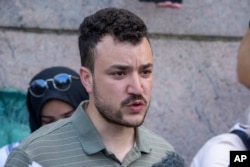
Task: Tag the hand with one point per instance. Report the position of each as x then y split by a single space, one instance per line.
170 4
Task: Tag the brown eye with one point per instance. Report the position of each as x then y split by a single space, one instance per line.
146 73
118 74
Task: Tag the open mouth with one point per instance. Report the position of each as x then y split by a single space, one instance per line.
136 106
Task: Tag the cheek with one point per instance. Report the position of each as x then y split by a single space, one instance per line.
111 93
149 87
148 83
108 85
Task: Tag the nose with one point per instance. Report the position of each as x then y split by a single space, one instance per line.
135 85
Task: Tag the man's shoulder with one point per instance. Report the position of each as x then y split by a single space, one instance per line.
155 139
151 134
50 132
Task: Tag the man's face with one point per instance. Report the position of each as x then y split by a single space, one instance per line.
122 81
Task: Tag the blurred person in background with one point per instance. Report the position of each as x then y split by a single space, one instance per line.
216 151
53 94
176 4
243 61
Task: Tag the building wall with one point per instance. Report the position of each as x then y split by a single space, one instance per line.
196 94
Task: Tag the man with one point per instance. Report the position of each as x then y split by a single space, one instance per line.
116 70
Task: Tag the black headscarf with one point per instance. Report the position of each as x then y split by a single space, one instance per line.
73 96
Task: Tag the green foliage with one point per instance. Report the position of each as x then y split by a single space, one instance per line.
13 116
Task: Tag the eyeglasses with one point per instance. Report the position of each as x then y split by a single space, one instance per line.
61 82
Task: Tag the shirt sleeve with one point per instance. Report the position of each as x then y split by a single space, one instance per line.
18 158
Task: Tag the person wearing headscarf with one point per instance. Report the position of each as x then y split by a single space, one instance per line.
73 94
53 94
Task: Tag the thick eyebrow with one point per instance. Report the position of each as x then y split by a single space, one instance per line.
127 67
120 67
149 65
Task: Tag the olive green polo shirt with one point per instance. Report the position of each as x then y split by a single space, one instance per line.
75 142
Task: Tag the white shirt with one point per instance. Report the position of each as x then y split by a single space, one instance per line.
5 151
216 151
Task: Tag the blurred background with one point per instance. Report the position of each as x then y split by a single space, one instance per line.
196 94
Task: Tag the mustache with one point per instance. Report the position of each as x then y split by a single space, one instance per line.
132 99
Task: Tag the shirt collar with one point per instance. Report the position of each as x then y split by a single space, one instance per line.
142 141
88 135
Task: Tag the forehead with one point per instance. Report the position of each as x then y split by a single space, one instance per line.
110 52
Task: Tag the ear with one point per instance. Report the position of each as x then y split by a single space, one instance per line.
86 78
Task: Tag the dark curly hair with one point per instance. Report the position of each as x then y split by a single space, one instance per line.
121 24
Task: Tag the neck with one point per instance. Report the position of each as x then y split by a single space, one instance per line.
117 138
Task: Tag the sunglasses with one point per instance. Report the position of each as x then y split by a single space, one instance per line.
61 82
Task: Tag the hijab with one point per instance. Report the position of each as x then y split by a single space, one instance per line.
72 96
